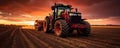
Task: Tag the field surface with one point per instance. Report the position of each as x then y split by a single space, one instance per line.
23 37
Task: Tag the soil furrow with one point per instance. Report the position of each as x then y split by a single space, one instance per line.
29 43
36 40
54 40
8 40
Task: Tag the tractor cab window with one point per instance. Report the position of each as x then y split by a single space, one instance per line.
61 9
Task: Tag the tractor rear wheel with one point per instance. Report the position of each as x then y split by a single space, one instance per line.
46 25
86 31
61 28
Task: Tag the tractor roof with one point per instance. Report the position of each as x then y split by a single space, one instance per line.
60 5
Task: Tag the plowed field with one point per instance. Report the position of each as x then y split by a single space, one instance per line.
17 37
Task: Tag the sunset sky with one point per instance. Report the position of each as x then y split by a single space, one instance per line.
98 12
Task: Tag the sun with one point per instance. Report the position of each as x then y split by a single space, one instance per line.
31 22
28 23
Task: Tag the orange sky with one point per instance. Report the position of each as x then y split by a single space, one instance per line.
98 12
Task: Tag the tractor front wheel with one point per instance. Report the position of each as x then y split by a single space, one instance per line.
46 25
85 31
61 28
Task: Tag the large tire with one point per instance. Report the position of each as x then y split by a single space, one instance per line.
61 28
46 25
86 31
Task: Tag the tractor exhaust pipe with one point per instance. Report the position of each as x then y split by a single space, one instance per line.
76 10
55 4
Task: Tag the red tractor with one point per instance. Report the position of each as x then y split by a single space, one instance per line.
63 21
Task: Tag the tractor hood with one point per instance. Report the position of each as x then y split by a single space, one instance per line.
75 17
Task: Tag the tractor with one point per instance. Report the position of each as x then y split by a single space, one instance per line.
63 21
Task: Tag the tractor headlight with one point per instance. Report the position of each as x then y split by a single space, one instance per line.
73 14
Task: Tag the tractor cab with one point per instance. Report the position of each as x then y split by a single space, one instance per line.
58 9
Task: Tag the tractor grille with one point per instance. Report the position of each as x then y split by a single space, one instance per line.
75 19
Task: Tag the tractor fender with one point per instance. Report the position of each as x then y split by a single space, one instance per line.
49 19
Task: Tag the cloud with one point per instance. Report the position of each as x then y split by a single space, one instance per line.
104 9
105 21
23 5
35 5
90 9
18 18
